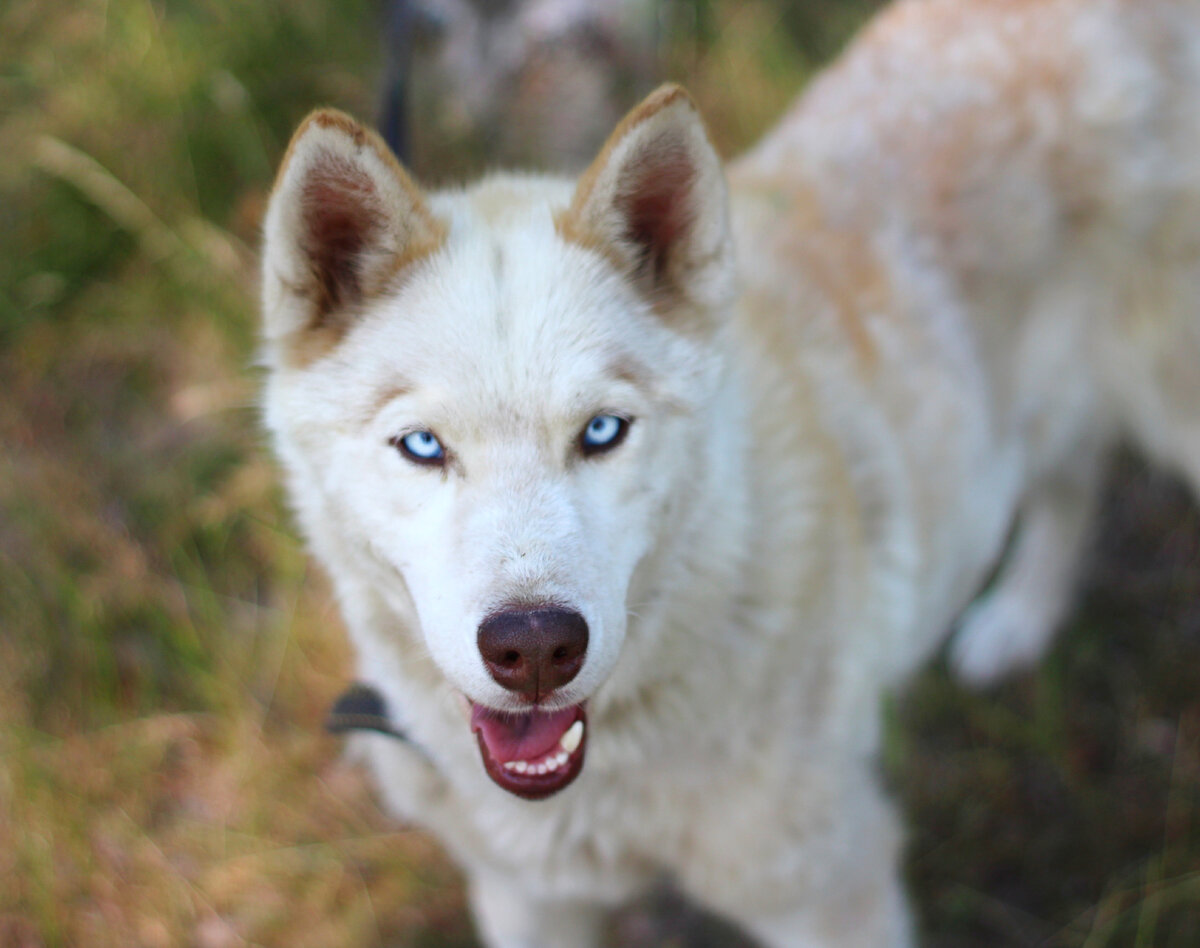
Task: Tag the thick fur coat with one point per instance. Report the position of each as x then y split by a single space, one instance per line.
762 431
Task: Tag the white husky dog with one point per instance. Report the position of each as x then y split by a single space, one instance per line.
678 481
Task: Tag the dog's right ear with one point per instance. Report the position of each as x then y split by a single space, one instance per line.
344 222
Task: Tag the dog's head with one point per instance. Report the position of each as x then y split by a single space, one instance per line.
489 402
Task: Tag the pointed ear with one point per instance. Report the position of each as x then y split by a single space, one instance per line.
654 202
343 221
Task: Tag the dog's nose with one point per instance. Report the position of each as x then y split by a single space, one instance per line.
535 650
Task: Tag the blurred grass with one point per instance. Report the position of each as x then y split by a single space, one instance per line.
166 654
1064 809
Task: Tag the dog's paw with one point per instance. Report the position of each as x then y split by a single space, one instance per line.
998 634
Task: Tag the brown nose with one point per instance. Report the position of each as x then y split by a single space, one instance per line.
535 650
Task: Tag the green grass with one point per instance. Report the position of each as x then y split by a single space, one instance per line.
167 652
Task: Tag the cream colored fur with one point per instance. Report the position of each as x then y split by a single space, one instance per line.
962 267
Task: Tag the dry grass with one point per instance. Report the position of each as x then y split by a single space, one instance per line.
167 654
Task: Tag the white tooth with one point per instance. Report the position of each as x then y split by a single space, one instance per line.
540 769
510 766
562 757
573 738
551 764
520 766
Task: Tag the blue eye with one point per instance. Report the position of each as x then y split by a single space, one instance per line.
603 433
421 447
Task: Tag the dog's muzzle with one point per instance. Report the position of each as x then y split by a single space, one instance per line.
532 652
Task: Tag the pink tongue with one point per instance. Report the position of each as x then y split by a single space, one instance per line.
520 736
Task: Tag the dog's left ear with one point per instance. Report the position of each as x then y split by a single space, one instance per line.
344 222
654 202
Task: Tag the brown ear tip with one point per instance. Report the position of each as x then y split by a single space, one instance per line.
337 124
670 93
672 89
669 98
327 118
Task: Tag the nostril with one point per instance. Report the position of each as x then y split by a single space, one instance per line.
511 657
560 653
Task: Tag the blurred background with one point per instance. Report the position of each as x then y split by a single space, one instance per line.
167 652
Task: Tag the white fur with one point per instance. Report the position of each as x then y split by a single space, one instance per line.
967 264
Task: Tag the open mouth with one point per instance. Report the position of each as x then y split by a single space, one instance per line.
532 754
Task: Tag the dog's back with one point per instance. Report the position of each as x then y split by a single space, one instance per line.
998 200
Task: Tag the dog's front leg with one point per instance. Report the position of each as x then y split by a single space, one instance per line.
883 923
1012 624
807 862
506 916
